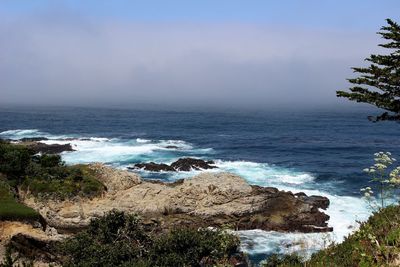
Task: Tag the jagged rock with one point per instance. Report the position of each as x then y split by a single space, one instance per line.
183 164
32 139
29 241
153 167
187 164
208 199
39 147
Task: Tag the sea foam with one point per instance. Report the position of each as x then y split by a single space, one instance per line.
344 211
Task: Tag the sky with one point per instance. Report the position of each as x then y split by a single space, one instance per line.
219 54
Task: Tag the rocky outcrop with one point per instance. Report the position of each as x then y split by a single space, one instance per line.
188 164
39 147
31 242
183 164
208 199
153 167
32 139
115 180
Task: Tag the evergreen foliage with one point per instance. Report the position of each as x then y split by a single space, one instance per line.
379 83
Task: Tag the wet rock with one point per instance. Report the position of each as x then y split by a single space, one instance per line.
39 147
183 164
33 139
188 164
172 147
153 167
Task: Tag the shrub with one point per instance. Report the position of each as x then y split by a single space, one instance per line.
119 239
376 243
14 159
46 175
187 247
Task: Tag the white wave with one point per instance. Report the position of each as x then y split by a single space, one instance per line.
22 133
344 211
141 140
105 150
119 151
264 174
182 145
269 242
30 133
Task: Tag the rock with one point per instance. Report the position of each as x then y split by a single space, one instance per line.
32 139
115 180
153 167
30 242
183 164
39 147
172 147
208 199
188 164
34 248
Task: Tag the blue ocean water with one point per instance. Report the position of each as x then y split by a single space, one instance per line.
319 152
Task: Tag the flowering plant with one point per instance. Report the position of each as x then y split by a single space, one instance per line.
386 180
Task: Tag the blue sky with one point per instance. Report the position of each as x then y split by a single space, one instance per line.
195 53
313 13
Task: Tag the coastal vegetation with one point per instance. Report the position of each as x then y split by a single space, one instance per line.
378 84
120 239
124 239
44 176
11 209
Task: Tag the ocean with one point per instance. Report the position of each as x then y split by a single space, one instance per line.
320 152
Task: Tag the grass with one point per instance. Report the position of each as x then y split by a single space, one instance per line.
11 209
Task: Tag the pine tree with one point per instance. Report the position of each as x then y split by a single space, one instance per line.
379 84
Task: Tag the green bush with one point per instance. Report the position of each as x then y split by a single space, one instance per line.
46 175
187 247
376 243
118 239
14 159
